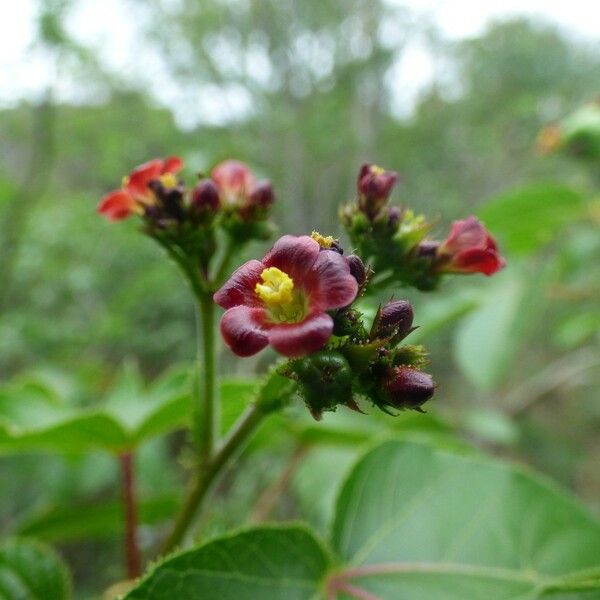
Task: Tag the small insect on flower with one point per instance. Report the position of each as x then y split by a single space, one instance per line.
282 300
469 248
136 193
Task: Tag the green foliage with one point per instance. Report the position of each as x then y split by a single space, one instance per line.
35 417
412 520
528 218
66 523
279 563
30 570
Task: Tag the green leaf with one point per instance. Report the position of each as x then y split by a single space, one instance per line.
33 416
93 521
417 521
525 219
31 570
486 340
278 563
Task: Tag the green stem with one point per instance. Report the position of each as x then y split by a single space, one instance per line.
239 433
223 268
208 422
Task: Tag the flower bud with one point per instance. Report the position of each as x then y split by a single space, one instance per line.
357 268
325 381
405 387
262 195
205 196
427 249
393 319
374 186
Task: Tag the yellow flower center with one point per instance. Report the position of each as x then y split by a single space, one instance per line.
168 180
285 304
325 241
375 170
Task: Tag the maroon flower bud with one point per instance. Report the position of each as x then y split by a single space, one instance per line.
395 318
406 387
374 186
262 195
469 248
394 216
357 268
427 249
205 196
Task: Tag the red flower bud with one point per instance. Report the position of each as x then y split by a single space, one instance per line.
262 195
205 196
406 387
374 186
469 248
395 318
357 268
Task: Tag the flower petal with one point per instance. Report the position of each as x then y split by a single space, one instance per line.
233 178
298 339
239 288
117 205
487 262
329 283
243 330
172 164
293 255
140 177
465 234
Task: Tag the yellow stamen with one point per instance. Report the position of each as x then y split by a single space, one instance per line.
168 180
276 289
323 241
376 170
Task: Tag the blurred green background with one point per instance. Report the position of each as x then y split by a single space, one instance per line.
304 92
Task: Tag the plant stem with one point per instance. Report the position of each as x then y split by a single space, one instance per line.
133 558
208 424
239 433
228 254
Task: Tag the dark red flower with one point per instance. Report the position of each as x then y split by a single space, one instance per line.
136 193
469 248
374 186
282 300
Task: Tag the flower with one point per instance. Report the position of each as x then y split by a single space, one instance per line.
282 300
136 193
374 186
469 248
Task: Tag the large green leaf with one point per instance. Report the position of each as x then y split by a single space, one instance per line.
527 218
274 563
33 416
30 570
417 521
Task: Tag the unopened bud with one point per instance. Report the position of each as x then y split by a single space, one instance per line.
427 249
205 196
262 195
395 318
357 268
405 387
374 186
325 381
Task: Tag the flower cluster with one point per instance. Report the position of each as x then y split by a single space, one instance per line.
394 239
185 220
299 299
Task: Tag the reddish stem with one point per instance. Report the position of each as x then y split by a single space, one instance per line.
133 557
